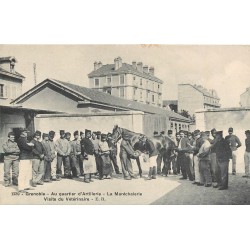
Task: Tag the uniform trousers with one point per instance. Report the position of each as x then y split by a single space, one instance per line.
234 158
113 159
205 174
184 164
25 174
247 163
37 170
53 169
66 164
8 164
99 165
196 169
214 167
47 170
223 173
75 167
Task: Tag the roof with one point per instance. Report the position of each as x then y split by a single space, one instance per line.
14 74
204 91
8 58
96 96
109 69
168 102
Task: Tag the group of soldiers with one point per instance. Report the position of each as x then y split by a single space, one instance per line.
204 160
196 156
38 161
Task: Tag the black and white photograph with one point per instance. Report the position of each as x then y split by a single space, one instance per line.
125 124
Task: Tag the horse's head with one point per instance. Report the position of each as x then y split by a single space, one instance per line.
117 133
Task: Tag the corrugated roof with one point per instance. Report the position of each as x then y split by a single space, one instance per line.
109 69
108 99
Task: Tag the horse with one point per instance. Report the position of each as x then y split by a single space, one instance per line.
164 144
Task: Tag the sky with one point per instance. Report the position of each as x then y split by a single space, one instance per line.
223 68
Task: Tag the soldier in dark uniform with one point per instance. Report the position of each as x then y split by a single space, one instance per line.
223 155
81 157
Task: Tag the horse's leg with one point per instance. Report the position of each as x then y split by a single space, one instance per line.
139 166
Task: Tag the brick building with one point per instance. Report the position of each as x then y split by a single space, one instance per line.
134 81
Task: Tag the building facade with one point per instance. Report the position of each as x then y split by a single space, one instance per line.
132 82
10 80
195 97
245 98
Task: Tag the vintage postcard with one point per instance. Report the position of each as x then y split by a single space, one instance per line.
124 124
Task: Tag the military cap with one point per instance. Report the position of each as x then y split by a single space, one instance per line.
203 134
230 129
11 134
170 132
81 133
87 131
247 132
190 134
98 132
94 132
182 131
62 132
177 133
38 133
207 132
196 132
213 130
67 133
76 133
155 133
162 132
52 133
24 130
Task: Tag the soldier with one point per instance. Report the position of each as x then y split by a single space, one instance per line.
214 165
104 151
75 155
183 160
173 155
247 155
223 155
191 153
81 156
25 166
11 160
47 158
234 143
62 148
204 161
178 168
126 152
53 155
88 150
113 152
96 142
38 160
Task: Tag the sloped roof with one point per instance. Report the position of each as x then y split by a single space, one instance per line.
103 98
8 58
10 73
109 69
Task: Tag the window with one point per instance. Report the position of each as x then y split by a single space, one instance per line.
172 125
153 87
97 83
158 87
122 79
141 81
134 78
140 95
1 90
122 92
153 98
108 80
179 127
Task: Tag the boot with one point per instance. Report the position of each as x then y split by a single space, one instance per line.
150 174
86 178
154 173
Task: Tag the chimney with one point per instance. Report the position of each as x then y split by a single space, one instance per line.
118 63
134 64
139 66
152 71
95 65
145 68
99 64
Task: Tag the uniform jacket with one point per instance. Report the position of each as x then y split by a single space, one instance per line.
25 149
75 148
233 141
223 151
197 145
204 151
47 151
52 148
11 150
38 149
62 147
183 145
87 146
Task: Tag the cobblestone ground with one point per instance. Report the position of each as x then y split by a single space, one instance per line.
162 191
